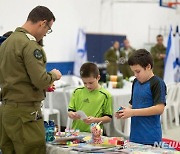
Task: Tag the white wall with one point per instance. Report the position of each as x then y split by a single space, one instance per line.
131 19
60 44
95 16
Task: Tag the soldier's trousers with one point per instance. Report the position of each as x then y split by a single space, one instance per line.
20 131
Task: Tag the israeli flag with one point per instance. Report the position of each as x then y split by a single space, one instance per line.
81 52
172 61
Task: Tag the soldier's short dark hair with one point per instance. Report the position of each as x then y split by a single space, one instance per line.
40 13
159 35
141 57
89 70
115 42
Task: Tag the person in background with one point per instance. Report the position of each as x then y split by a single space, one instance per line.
159 53
125 52
111 57
147 102
5 36
23 81
92 99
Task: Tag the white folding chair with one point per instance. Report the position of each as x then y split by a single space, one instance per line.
125 130
77 81
67 92
72 80
175 103
167 114
47 111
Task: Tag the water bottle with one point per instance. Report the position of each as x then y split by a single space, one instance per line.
51 130
46 126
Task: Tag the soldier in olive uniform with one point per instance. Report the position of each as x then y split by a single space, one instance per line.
125 53
111 57
159 53
2 39
23 81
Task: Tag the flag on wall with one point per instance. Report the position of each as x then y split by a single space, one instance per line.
172 61
81 52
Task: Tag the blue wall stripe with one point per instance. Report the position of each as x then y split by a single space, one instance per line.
64 67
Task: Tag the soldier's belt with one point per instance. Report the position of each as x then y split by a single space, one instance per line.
38 104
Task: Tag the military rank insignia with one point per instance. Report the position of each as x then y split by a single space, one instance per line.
38 54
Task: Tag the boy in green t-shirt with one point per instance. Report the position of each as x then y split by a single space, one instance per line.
92 99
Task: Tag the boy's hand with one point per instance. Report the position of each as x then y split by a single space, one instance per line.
125 113
90 120
73 115
118 114
120 110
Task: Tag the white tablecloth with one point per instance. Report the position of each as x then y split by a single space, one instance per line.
131 148
121 97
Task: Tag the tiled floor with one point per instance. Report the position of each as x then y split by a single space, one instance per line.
172 133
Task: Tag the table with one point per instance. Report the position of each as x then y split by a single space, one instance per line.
131 148
120 97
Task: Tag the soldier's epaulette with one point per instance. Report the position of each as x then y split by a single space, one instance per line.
30 37
104 94
78 89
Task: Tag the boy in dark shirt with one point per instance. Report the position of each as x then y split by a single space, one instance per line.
147 100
